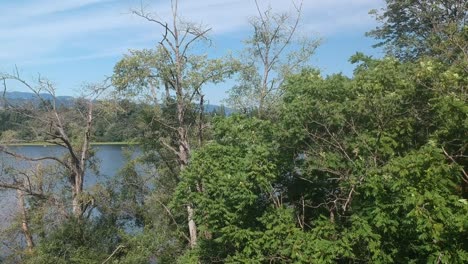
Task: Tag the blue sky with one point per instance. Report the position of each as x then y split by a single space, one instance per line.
73 42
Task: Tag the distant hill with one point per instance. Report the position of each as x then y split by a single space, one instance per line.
32 96
16 98
209 108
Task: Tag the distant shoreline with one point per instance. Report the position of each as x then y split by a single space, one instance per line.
28 144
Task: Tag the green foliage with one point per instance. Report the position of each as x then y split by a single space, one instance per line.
13 126
413 29
122 123
140 72
77 242
417 193
368 169
244 168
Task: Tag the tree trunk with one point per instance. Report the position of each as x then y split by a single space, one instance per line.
80 167
184 145
24 221
184 154
200 121
192 227
77 203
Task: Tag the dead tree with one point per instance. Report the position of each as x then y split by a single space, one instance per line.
273 52
52 125
26 183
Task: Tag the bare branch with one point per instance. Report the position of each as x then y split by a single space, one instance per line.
113 253
19 156
197 36
141 13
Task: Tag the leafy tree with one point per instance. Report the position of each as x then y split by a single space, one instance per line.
355 171
14 124
240 162
176 69
364 169
414 28
121 121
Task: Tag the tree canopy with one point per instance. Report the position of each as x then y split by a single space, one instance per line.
368 168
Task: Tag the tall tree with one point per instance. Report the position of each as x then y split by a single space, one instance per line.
415 28
274 51
175 70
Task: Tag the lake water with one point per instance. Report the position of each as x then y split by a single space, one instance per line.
111 159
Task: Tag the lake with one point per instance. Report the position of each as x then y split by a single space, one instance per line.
111 159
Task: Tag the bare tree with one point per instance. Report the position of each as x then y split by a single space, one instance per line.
27 181
52 125
272 53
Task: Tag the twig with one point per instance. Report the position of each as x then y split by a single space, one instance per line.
113 253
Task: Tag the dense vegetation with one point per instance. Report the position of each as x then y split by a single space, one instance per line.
123 121
323 169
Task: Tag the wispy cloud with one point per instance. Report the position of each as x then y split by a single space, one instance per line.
58 31
17 12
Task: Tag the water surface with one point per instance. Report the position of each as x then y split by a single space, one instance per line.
110 159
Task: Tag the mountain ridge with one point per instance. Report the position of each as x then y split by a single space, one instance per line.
17 97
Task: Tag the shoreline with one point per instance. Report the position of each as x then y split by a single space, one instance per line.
45 144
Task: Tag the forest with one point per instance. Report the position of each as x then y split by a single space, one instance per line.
299 167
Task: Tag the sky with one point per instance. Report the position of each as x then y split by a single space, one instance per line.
74 42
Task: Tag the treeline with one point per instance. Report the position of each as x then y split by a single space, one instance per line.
118 124
311 169
121 122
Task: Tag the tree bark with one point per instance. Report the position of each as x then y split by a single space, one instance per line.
80 167
24 221
184 144
192 227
